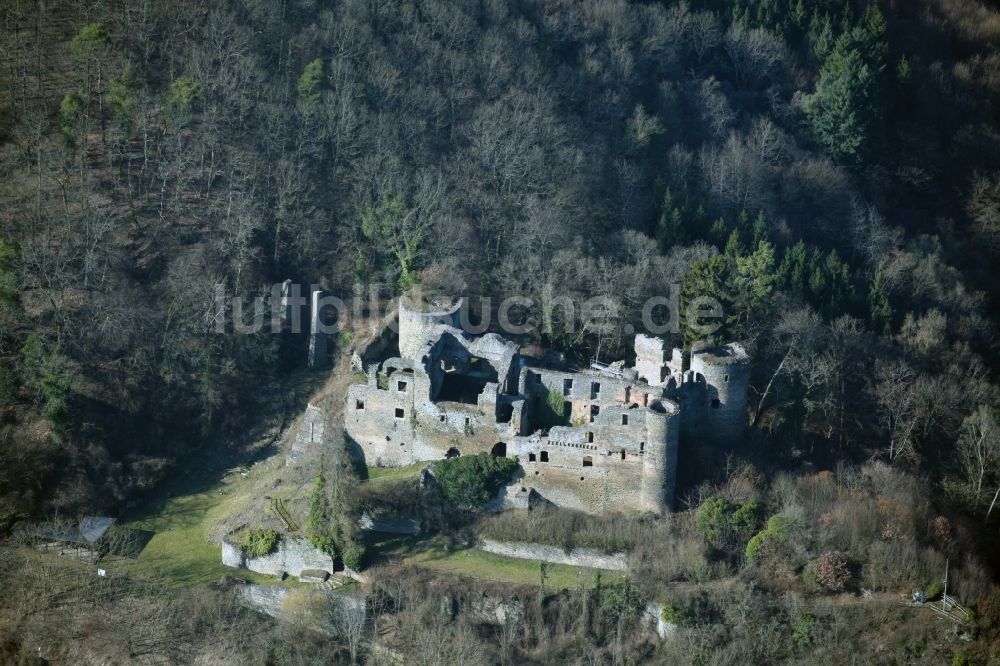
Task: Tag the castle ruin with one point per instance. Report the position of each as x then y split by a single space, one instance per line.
601 439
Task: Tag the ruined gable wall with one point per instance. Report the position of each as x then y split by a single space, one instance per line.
371 420
426 430
608 484
631 465
651 358
585 389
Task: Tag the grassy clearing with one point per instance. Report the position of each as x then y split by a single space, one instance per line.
394 473
179 553
440 555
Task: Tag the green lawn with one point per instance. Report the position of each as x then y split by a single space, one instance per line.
437 554
178 524
394 473
178 553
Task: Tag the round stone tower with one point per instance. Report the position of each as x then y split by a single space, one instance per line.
726 373
417 320
659 457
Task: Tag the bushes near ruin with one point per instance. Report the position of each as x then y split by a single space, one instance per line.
722 522
778 530
468 482
260 542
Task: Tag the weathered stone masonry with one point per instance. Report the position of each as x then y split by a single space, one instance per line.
453 394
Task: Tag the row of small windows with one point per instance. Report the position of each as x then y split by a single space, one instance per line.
588 461
400 412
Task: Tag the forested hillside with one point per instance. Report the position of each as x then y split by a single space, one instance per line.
829 170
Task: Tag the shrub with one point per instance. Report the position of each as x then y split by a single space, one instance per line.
71 109
802 629
620 600
755 545
319 525
91 37
311 82
809 577
45 370
551 410
468 482
354 553
832 571
778 529
713 517
674 614
258 542
747 518
961 658
183 94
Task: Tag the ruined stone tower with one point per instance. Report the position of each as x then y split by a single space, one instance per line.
726 372
659 463
416 322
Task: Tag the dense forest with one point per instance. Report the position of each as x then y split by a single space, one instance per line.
828 170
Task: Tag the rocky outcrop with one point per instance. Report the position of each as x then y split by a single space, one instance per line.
401 524
346 610
309 438
653 616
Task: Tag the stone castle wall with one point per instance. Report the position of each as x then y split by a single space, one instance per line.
578 557
293 556
620 449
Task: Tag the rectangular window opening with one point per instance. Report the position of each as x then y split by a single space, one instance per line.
588 461
590 437
359 404
595 389
401 385
624 419
567 386
545 456
594 411
531 457
399 412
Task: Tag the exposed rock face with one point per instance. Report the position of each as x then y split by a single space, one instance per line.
653 615
345 609
390 524
309 437
580 557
